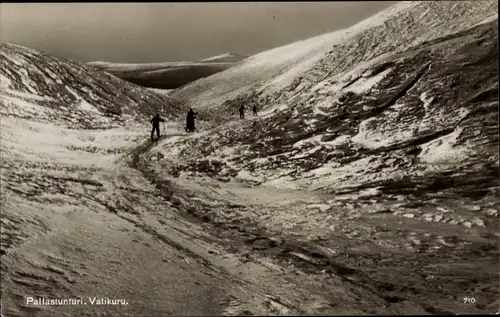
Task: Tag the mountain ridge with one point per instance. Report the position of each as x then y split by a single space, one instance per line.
383 37
50 78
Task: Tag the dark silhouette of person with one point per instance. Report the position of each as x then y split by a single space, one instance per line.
191 115
254 110
242 112
156 125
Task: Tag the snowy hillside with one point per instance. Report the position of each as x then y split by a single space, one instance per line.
169 75
70 91
392 30
64 129
367 184
418 125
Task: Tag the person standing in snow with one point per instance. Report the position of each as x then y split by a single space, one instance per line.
156 125
254 110
242 112
191 115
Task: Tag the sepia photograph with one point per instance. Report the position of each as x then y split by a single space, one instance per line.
249 158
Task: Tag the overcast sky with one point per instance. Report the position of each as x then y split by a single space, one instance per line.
156 32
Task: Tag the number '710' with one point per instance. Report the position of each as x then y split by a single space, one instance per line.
469 300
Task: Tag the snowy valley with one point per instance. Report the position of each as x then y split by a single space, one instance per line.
367 184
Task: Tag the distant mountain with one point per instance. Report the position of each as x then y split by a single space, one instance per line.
169 75
227 57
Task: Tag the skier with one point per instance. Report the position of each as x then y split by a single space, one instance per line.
156 125
242 112
191 115
254 110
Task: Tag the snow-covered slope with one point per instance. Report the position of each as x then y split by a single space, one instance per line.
70 91
60 117
392 88
169 75
408 120
71 206
81 220
393 30
396 118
